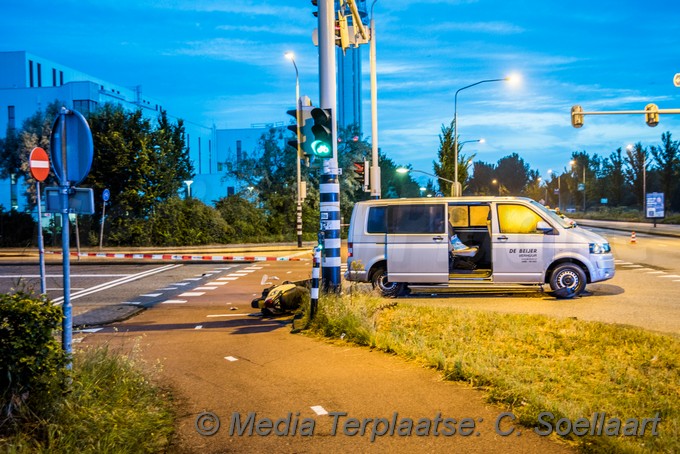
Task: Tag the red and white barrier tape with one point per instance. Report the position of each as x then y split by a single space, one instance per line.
209 258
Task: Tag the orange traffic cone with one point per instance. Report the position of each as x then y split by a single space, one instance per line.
632 238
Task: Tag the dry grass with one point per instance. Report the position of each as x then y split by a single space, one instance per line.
530 363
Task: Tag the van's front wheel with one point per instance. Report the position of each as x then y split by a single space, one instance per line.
386 287
568 280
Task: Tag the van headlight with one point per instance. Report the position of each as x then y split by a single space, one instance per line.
599 248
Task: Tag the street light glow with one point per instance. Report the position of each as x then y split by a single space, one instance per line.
514 79
289 55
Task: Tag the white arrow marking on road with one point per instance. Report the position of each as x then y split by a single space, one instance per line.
230 358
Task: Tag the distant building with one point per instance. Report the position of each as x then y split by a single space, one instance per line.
29 83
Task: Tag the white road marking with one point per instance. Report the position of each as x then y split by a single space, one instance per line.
319 410
124 280
230 358
227 279
192 294
174 302
226 315
192 279
151 295
205 288
198 327
168 288
216 283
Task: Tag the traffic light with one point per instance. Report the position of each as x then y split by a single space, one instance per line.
361 171
322 146
576 116
315 3
341 32
652 115
305 136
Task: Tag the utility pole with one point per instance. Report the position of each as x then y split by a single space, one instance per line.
375 166
329 185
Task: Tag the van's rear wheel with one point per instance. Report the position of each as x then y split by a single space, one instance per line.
386 287
568 280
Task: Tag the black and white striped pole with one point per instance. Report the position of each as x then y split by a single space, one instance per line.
329 183
316 275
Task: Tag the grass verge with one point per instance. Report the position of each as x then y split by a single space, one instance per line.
530 363
111 407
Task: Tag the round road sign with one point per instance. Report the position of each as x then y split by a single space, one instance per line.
106 195
71 147
39 163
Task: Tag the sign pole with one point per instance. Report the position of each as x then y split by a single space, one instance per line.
41 245
105 198
72 157
67 324
39 164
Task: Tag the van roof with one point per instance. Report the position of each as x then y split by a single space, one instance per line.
418 200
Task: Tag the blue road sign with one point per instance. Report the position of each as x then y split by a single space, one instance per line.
71 147
106 195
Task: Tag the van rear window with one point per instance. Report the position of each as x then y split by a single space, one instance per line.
377 220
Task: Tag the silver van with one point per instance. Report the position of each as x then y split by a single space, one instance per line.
403 245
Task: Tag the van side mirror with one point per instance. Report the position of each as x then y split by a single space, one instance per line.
544 227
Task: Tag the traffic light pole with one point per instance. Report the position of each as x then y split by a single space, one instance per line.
329 186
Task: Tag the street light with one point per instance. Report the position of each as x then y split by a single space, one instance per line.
188 183
495 181
407 170
573 163
456 185
298 108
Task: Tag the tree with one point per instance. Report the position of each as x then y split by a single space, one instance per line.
141 165
513 173
636 161
445 166
614 176
482 175
668 161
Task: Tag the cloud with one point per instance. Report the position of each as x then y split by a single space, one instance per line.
496 28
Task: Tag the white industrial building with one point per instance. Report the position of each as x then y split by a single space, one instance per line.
29 82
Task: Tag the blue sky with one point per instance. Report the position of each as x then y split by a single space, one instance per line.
221 62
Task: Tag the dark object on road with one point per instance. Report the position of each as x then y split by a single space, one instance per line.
282 298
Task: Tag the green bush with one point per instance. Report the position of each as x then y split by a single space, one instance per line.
247 220
179 222
32 362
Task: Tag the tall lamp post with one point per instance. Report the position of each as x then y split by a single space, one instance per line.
407 170
457 186
188 183
495 181
298 108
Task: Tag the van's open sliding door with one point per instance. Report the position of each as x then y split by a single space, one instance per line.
417 243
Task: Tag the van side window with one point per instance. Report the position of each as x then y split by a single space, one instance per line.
517 219
479 215
377 220
458 216
416 219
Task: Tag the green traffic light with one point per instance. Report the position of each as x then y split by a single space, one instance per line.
321 149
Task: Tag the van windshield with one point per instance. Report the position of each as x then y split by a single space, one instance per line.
564 222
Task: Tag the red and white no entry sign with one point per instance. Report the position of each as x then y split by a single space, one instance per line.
40 164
